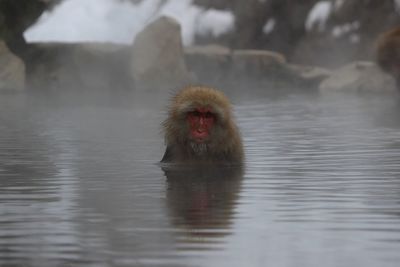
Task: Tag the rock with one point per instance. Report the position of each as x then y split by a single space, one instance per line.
271 70
209 63
323 49
360 76
257 63
219 65
102 65
309 75
157 57
82 66
12 70
250 18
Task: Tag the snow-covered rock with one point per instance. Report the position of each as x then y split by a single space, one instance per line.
157 55
361 76
209 63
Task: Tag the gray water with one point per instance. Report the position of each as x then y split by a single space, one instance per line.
80 184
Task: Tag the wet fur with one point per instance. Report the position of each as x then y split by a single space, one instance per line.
388 53
225 143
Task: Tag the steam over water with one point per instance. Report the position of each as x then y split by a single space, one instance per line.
79 185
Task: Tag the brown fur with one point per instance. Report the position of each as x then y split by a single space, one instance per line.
388 53
225 143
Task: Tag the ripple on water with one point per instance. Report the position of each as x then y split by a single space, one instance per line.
80 186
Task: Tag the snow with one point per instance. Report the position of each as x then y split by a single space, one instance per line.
91 20
269 26
120 21
340 30
215 22
185 13
318 16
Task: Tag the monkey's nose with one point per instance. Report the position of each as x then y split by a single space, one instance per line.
201 130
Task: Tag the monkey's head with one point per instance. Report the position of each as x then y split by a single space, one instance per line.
388 52
200 119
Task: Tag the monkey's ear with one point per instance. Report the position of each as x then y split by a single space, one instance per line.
167 155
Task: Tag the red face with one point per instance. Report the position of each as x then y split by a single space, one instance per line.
201 121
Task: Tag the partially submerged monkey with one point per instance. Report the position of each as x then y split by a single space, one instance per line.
200 128
388 53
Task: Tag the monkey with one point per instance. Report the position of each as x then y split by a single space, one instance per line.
200 128
388 53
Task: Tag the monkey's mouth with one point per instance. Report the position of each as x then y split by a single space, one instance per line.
200 135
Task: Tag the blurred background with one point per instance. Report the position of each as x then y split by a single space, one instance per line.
326 33
54 40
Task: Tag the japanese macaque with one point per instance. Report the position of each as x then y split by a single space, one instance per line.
200 128
388 53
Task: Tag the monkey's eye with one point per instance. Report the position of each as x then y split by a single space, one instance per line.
209 115
200 114
194 113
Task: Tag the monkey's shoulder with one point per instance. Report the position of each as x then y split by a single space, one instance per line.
168 155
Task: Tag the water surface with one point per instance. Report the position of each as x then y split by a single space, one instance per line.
80 184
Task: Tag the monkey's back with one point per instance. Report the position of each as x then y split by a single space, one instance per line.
388 49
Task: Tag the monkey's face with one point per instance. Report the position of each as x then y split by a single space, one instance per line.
201 120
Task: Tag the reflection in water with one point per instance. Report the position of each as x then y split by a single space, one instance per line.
35 217
80 184
202 200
